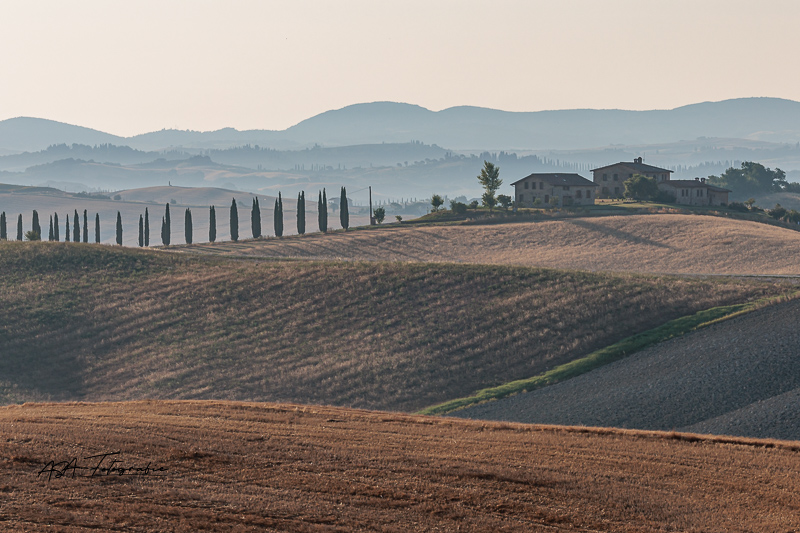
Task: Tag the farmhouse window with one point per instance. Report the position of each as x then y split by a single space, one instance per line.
616 177
566 188
521 198
526 185
605 190
579 194
616 191
605 177
541 185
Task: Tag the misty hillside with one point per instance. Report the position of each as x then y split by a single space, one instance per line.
457 128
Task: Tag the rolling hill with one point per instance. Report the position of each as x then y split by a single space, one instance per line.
457 128
238 466
94 322
658 243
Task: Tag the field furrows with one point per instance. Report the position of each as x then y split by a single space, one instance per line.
83 322
678 244
284 467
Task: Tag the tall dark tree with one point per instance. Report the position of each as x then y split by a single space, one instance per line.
19 228
50 233
97 228
255 219
3 227
85 226
56 236
278 216
165 238
119 228
76 228
163 227
35 226
187 226
212 224
344 211
141 231
234 221
66 231
301 213
322 212
146 227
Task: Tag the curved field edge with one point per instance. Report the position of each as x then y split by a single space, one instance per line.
615 352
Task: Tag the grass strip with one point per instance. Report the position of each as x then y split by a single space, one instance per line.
609 354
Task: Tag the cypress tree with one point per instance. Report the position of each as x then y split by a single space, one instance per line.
76 228
278 216
301 213
85 226
97 228
50 234
187 226
19 228
35 226
141 231
212 225
146 227
163 225
255 219
119 228
56 236
66 232
3 227
234 221
344 213
322 212
167 227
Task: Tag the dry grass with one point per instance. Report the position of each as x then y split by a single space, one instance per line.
92 322
264 467
669 243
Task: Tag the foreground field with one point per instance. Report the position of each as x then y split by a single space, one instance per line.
231 466
88 322
687 244
737 377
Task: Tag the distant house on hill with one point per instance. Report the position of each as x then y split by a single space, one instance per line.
611 177
695 192
686 192
569 189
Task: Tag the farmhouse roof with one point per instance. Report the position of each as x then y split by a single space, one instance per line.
637 165
556 179
693 184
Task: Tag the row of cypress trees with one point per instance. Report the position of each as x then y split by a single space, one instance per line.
53 234
166 224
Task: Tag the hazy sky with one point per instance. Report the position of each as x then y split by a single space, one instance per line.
139 65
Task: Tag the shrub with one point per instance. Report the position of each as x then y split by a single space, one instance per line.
458 208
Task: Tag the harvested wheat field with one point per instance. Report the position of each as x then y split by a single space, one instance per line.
266 467
658 243
92 322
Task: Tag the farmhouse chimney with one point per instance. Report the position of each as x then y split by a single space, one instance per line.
637 160
697 179
702 180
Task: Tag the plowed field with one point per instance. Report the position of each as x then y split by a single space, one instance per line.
231 466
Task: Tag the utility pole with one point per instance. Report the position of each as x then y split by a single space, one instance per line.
371 217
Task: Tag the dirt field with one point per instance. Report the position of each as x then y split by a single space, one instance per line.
689 244
737 377
290 468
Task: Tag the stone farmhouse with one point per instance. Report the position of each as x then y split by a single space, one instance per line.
687 192
569 189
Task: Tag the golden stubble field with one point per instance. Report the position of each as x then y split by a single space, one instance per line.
658 243
270 467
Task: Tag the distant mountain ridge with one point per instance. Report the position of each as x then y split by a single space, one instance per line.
457 128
